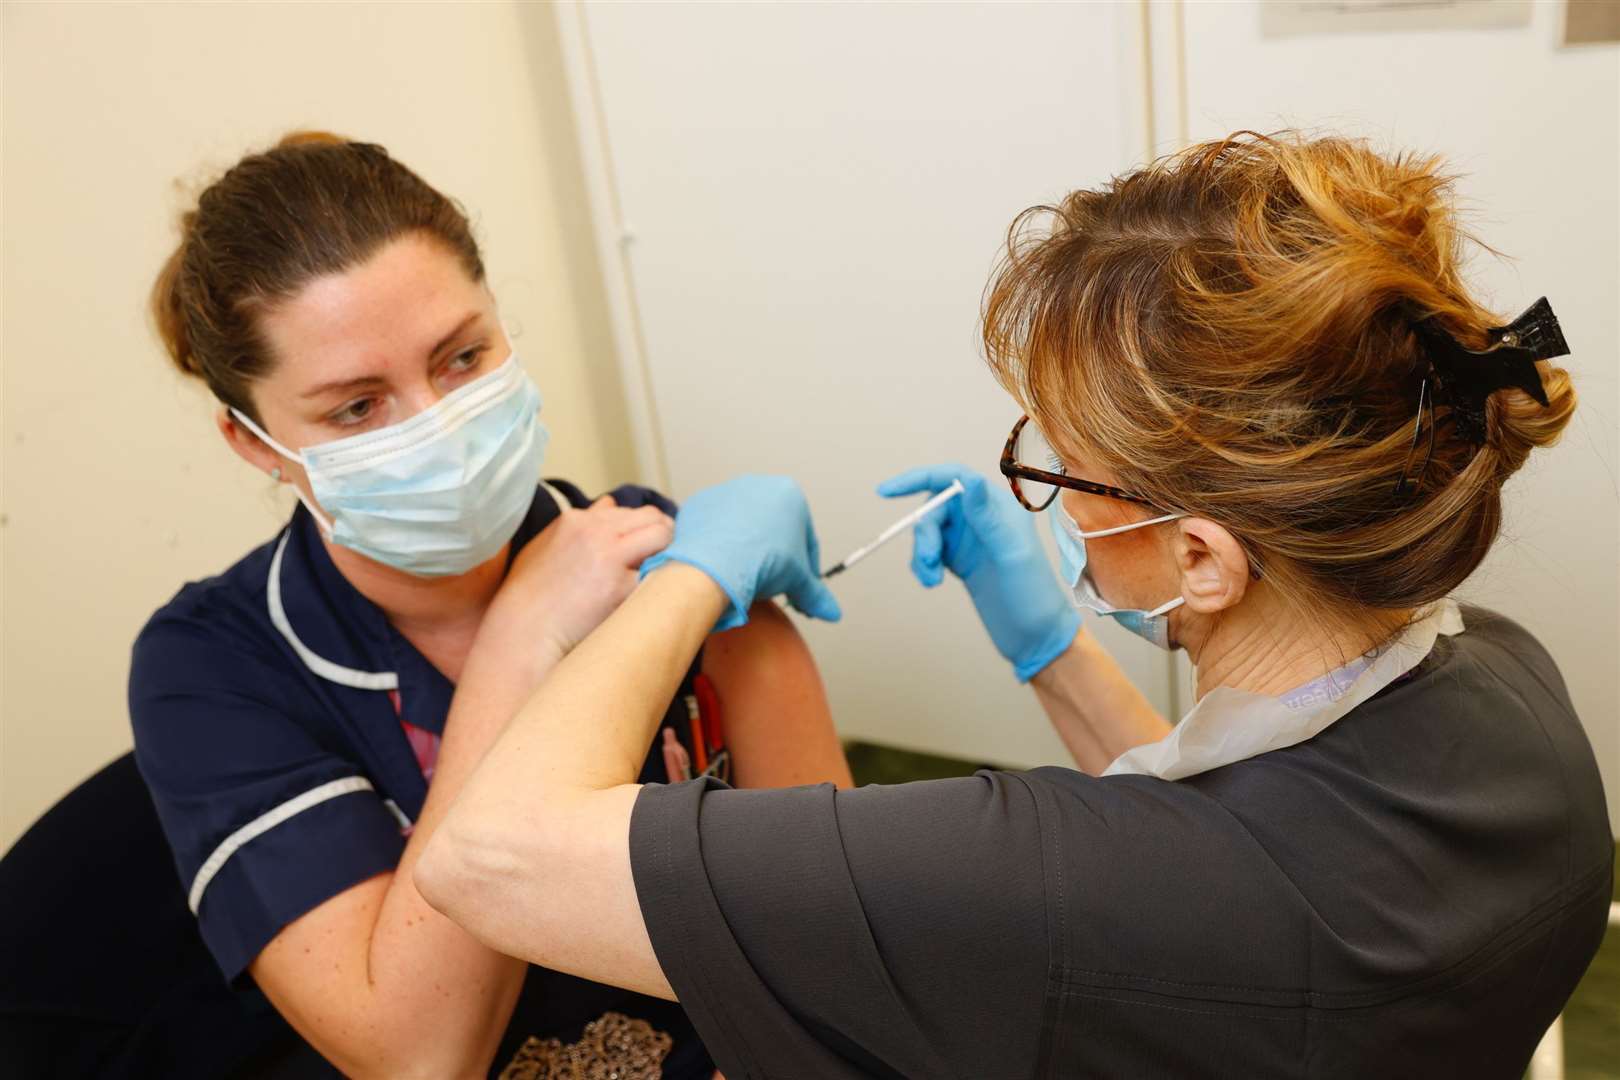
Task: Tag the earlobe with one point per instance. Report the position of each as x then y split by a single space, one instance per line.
1214 567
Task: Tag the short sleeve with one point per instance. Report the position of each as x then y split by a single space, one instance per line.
265 822
888 931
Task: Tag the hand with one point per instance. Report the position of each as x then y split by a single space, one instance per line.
985 538
754 537
573 575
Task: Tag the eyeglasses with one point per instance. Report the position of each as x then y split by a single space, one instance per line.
1035 472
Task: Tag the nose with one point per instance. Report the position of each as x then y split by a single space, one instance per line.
421 395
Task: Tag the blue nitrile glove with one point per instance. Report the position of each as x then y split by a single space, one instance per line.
754 537
985 538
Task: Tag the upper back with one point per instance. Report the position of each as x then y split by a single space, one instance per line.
1415 890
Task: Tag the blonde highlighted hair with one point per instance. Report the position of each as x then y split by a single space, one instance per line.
1229 331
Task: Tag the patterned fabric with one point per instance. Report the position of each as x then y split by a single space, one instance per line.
424 743
613 1047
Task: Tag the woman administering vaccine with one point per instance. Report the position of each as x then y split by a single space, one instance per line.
304 718
1270 425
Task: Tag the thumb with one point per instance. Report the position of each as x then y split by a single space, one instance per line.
817 601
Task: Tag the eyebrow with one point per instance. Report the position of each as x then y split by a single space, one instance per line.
369 380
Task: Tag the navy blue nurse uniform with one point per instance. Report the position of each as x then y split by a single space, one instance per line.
267 704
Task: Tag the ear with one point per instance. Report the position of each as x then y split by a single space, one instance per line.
248 446
1213 568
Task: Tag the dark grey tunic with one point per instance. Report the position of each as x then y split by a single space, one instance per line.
1413 892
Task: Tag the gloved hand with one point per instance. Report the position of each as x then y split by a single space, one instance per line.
985 538
754 537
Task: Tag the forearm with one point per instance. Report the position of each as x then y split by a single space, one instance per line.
1097 711
388 958
537 847
416 953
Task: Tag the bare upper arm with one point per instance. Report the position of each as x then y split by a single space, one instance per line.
778 723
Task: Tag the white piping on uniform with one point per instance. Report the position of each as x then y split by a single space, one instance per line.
405 824
320 665
264 823
563 505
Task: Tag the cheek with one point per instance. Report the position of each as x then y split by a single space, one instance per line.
1132 570
293 475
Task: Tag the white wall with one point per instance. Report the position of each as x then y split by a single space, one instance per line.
809 198
1533 129
116 489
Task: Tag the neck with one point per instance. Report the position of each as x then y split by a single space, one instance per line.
423 605
1266 647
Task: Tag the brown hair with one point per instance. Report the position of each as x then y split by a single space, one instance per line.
313 205
1229 331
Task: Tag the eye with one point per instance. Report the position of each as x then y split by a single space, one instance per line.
466 360
1054 464
355 412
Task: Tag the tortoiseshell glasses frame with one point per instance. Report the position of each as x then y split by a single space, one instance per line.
1014 471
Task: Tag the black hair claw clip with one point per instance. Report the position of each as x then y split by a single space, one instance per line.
1462 379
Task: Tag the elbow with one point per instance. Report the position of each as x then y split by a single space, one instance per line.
437 876
453 874
476 875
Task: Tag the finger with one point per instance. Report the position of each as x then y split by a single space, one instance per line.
929 478
639 544
927 550
603 502
628 521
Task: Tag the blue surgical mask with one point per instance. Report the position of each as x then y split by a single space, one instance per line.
436 494
1152 625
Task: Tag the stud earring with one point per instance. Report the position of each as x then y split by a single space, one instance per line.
275 474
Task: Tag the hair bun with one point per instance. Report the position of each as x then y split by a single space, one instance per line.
294 139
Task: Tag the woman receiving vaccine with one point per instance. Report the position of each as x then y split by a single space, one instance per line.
305 718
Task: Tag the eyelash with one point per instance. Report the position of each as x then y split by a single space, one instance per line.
476 353
346 417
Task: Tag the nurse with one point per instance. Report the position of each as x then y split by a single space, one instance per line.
304 718
1270 425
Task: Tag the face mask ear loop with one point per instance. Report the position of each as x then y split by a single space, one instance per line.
1099 533
321 520
1167 606
264 436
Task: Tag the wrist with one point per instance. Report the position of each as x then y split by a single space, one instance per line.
702 584
1038 657
1048 677
522 649
691 589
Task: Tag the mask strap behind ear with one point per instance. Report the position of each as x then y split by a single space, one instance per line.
264 436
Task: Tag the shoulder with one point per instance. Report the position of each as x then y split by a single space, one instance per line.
227 607
1508 648
626 495
210 651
